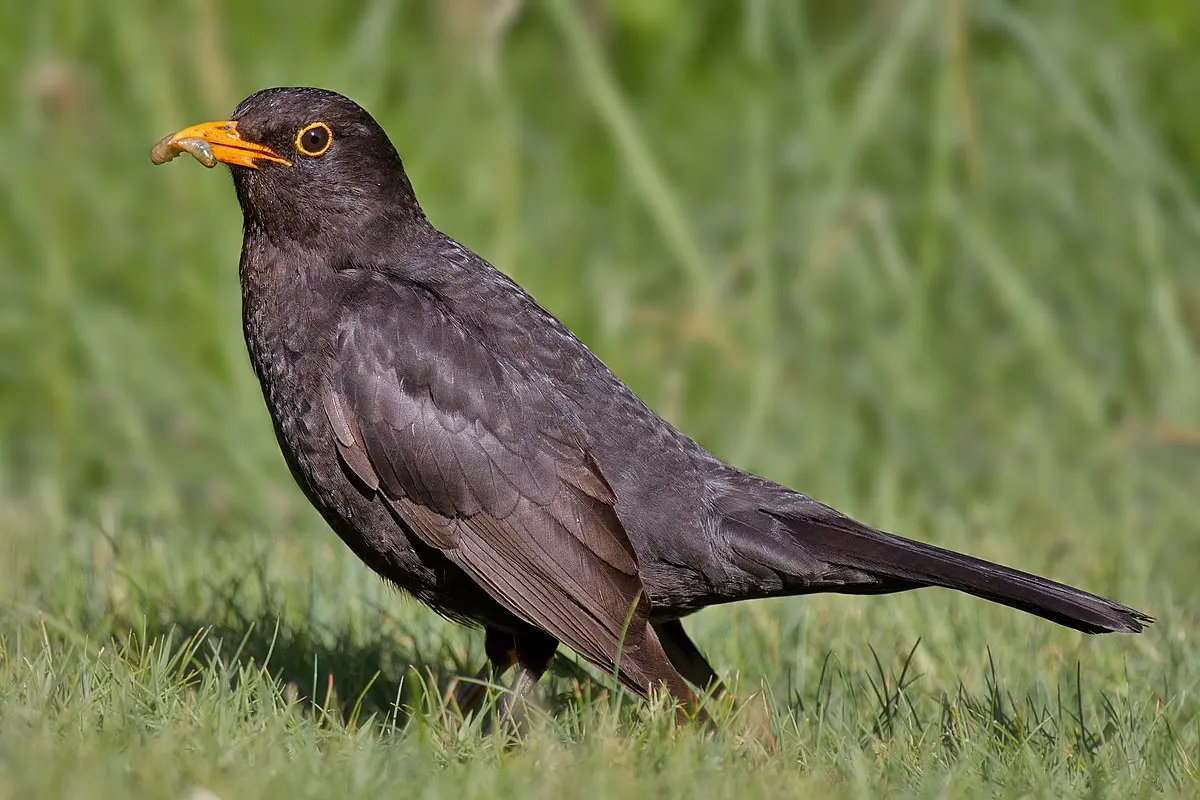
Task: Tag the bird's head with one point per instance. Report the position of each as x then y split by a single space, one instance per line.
306 163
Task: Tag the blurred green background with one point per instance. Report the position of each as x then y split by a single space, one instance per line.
930 261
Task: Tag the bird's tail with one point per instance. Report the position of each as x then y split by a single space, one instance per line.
813 548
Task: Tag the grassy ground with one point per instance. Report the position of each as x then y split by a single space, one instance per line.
931 262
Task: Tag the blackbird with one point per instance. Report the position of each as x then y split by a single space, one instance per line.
469 449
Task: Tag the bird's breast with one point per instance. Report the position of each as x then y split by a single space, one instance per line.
284 342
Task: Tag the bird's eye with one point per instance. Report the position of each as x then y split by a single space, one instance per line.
314 139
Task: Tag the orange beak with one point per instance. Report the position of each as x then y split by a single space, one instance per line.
210 142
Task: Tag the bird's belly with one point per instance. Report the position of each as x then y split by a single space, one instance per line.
361 519
355 514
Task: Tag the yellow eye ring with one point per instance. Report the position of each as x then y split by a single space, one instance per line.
313 140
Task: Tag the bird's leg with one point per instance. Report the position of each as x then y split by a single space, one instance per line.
501 649
687 658
534 654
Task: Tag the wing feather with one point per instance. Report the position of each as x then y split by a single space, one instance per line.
487 464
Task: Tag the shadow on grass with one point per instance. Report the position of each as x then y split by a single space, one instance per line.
332 674
343 671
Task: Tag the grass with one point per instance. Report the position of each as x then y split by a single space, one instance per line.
932 263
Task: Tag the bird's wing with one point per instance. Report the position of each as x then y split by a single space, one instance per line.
481 458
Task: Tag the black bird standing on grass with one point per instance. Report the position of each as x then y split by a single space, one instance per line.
471 450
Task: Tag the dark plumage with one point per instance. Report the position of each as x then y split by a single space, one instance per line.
471 450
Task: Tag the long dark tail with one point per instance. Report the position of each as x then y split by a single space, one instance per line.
813 548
